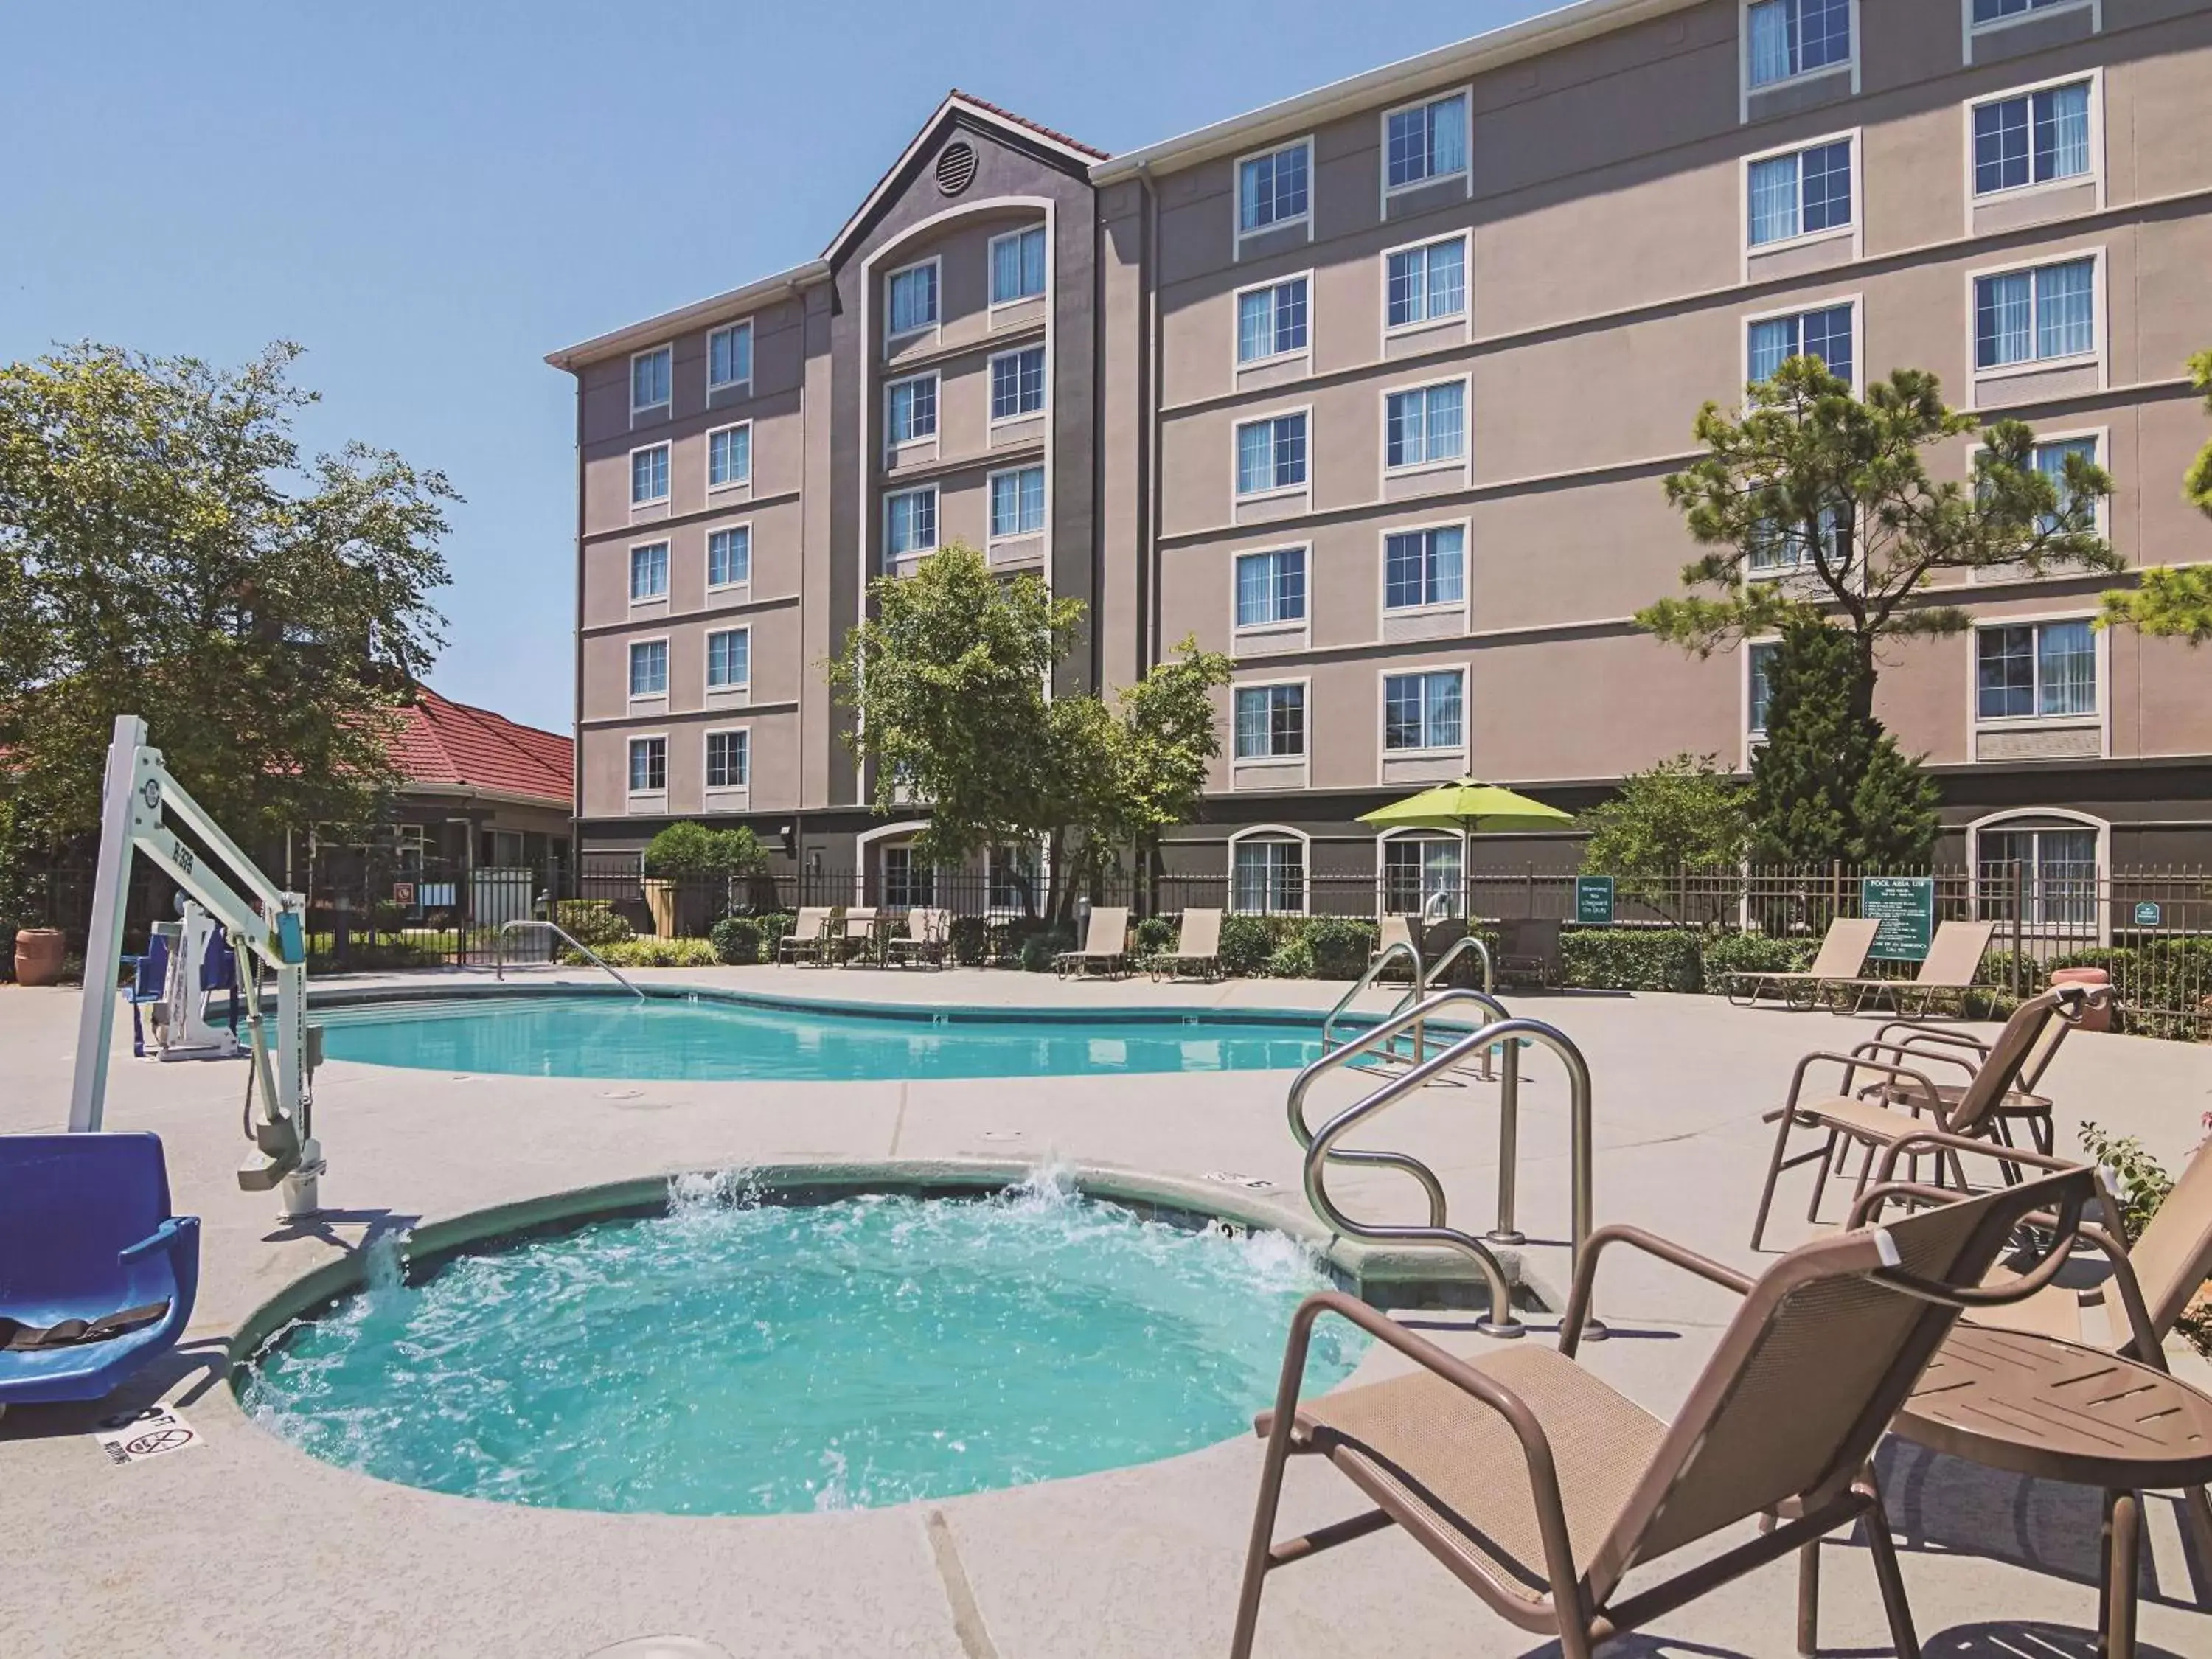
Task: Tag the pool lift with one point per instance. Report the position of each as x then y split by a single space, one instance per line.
266 928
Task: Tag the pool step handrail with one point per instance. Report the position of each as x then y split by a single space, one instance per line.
1425 983
499 950
1395 951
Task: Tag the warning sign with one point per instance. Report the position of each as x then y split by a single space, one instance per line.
155 1432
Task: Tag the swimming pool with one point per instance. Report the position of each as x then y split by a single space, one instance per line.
706 1038
736 1357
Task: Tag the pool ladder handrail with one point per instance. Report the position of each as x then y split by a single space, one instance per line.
1383 959
499 950
1424 982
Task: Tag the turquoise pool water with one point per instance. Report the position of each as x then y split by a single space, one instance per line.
738 1357
669 1038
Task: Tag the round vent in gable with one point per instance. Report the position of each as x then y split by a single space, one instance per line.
956 166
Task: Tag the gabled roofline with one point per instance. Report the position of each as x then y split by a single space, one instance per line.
653 330
1546 32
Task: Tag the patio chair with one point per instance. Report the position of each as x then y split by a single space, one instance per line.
1891 1110
1539 1487
850 936
1914 1043
1105 944
1394 929
97 1275
928 933
1529 952
1954 957
1842 956
1197 949
804 942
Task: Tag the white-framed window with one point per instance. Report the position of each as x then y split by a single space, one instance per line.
648 475
1425 425
730 659
1425 142
1985 13
1758 659
2043 314
1802 192
1018 266
910 409
648 668
1010 876
648 572
1271 588
2052 865
1275 189
1423 710
1267 874
1829 333
648 766
1018 502
2049 457
2035 671
1424 568
730 556
1271 320
1418 868
1777 549
730 456
1425 283
1791 38
1017 383
730 357
730 759
1271 454
910 299
909 880
1271 721
910 522
2041 136
649 376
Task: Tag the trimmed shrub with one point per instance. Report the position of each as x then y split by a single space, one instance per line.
391 956
1632 959
1340 946
591 922
1293 959
657 953
970 941
1247 942
1737 953
1041 945
736 940
1155 934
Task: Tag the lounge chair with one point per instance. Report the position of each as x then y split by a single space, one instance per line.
97 1275
927 932
850 936
1529 952
1539 1487
1954 957
1916 1044
1197 949
1842 956
1877 1117
1394 929
1105 944
804 942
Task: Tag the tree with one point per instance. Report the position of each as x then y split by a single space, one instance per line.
166 550
1684 814
693 850
1813 502
2176 603
1829 784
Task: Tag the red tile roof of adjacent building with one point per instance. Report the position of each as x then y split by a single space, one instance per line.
449 745
1034 126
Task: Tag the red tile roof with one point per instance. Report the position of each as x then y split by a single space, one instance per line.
442 742
1034 126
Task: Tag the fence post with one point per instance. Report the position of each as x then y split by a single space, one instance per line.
2019 920
1835 888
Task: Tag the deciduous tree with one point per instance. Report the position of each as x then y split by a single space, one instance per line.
1684 813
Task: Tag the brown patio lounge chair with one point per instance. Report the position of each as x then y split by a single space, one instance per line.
1197 950
1539 1487
1954 957
804 942
1842 956
1529 952
849 935
927 932
1891 1107
1915 1044
1105 944
1393 929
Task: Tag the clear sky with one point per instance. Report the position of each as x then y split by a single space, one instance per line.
431 195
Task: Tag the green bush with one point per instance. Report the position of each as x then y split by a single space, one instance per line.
736 940
1156 935
1632 959
1741 953
1040 945
591 921
693 850
656 953
1293 959
394 956
1247 942
971 941
1340 946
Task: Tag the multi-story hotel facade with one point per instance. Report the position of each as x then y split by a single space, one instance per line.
1373 389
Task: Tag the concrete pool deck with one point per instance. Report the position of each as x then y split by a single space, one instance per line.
243 1547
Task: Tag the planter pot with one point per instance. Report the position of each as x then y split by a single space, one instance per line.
2098 1019
39 953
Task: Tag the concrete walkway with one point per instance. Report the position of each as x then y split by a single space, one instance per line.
243 1547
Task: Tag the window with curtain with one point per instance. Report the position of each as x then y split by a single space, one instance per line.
909 522
913 299
1427 142
908 879
2049 460
2056 871
648 668
1271 721
729 357
1018 502
1797 37
648 765
1010 874
2036 138
648 572
729 759
1422 711
1267 876
1781 547
648 378
1427 283
1272 189
1997 11
729 457
2029 316
729 659
1271 322
1271 587
1426 425
1417 868
2034 671
1018 266
1425 567
1826 334
730 556
910 409
1759 663
1800 194
1271 454
648 476
1017 383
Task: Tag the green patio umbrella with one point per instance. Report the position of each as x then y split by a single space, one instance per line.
1473 808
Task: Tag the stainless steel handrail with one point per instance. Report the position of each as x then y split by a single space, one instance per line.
1461 946
1420 988
1383 959
499 950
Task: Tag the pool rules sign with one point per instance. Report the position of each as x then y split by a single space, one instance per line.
1906 908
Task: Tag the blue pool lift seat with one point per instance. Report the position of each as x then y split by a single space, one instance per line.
86 1235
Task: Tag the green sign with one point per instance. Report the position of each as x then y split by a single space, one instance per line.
1594 900
2148 915
1906 908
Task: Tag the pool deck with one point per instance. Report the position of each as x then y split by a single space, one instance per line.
242 1546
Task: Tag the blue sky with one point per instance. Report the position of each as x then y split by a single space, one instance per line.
430 197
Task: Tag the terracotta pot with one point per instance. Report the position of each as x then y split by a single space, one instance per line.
39 953
2099 1016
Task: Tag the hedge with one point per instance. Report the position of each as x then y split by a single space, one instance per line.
591 921
1632 959
655 953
